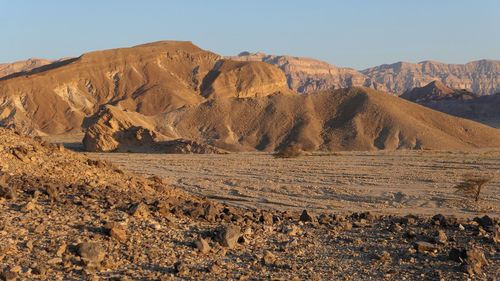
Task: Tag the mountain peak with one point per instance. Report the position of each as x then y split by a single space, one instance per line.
435 91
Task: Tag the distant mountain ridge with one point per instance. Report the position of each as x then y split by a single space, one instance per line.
20 66
306 75
481 77
457 102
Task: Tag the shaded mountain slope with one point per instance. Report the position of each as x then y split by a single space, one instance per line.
458 102
347 119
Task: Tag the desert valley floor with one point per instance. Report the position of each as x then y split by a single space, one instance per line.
398 182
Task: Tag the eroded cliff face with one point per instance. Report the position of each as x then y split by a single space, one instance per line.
306 75
481 77
242 79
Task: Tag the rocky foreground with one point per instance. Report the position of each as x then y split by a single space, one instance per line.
66 217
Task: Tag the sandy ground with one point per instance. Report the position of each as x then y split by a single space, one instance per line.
400 182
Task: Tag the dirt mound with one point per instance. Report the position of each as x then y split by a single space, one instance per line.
149 79
347 119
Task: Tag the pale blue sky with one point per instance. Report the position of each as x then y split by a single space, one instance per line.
353 33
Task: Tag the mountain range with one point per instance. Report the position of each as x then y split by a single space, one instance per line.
306 75
173 92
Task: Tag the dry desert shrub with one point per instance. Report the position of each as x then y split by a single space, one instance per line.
289 151
472 184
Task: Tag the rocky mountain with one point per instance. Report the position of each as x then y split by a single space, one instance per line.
149 79
21 66
481 77
306 75
345 119
458 102
175 96
436 91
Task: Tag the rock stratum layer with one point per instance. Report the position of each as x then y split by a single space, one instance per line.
306 75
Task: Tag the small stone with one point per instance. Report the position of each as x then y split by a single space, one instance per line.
202 245
60 251
441 237
214 268
29 245
52 191
423 247
6 191
181 269
485 222
211 212
38 270
306 217
8 275
228 235
346 226
458 255
396 228
439 219
91 252
475 260
410 233
116 231
384 256
268 258
140 210
155 225
54 261
496 234
16 269
292 230
361 223
266 218
30 206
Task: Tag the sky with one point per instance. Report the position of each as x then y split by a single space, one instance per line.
354 33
